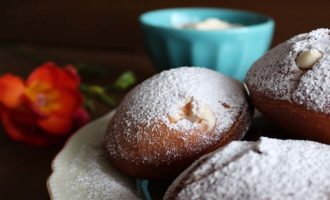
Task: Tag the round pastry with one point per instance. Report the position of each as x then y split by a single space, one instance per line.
174 117
266 169
290 85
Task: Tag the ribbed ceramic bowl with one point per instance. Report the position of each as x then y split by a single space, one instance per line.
230 51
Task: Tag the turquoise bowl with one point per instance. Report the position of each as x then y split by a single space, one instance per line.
230 51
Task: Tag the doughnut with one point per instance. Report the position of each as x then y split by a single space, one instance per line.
171 119
265 169
290 85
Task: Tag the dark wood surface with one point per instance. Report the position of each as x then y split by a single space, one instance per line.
104 34
114 24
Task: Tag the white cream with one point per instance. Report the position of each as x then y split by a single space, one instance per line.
210 24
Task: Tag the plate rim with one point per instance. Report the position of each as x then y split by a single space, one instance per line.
52 176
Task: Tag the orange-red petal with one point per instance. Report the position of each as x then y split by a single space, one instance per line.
48 101
55 76
47 73
67 103
11 90
56 125
22 131
80 118
71 77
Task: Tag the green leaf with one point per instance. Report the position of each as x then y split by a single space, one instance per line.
84 87
108 100
98 90
92 89
125 80
89 104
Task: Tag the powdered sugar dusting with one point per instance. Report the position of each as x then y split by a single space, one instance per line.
267 169
277 75
164 95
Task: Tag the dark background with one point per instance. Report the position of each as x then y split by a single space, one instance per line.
105 34
114 25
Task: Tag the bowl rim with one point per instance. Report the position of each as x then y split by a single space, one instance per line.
269 21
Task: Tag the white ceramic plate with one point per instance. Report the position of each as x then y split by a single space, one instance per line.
81 171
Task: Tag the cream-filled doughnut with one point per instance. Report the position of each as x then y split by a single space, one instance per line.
290 85
266 169
173 118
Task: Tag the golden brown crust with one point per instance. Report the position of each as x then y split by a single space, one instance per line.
295 119
165 170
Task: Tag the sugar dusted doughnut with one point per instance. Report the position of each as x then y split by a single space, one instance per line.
291 85
171 119
266 169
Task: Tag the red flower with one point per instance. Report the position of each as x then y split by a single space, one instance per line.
44 108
